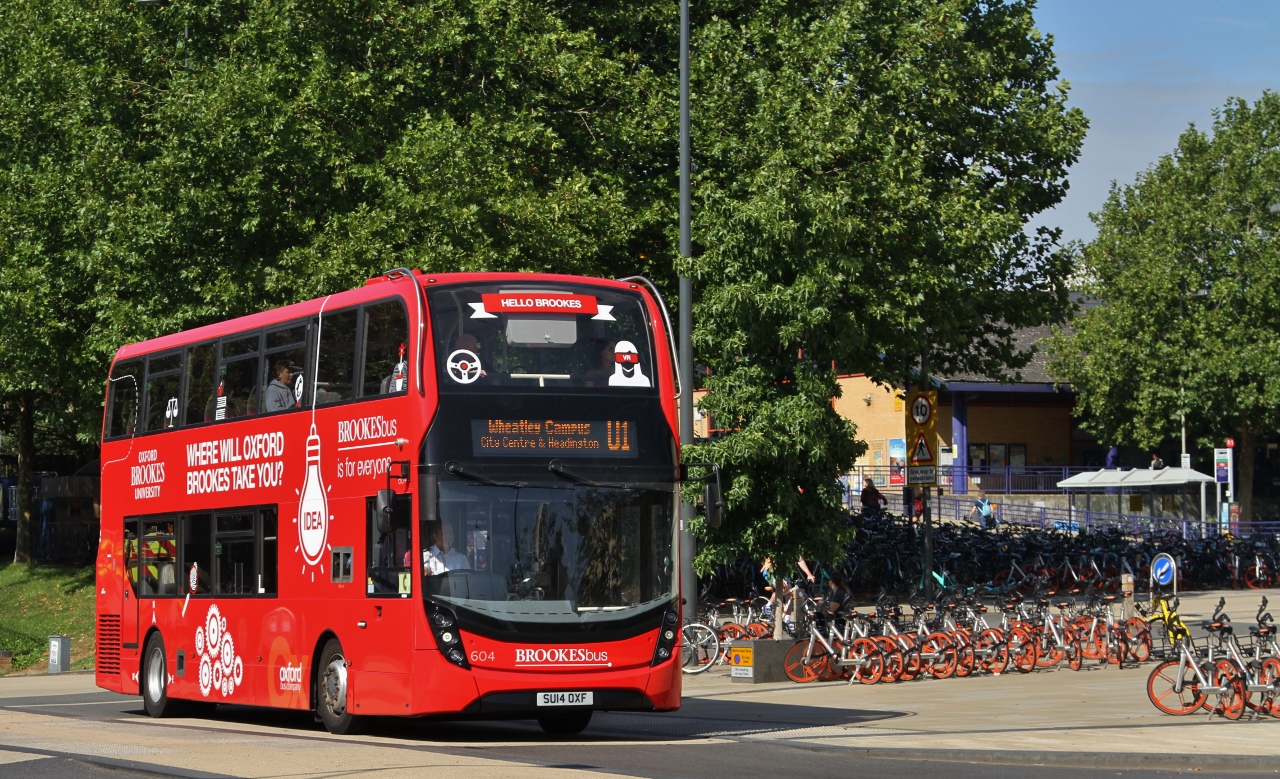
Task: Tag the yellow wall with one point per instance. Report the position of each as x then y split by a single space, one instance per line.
1046 430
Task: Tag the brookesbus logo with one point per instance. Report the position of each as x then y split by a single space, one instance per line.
565 656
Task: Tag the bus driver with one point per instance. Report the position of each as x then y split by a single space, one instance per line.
441 557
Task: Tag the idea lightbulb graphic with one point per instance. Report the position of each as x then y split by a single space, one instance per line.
313 507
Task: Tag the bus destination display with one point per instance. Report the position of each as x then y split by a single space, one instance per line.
553 438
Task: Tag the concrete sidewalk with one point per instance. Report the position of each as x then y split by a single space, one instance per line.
1099 716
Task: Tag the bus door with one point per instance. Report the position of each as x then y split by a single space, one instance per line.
389 594
129 601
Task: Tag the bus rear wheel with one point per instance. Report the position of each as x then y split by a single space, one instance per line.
333 692
565 723
155 680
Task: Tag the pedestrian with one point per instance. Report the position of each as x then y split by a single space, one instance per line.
982 508
1156 463
1113 458
873 500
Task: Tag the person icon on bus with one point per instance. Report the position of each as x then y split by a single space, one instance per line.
626 367
441 557
280 395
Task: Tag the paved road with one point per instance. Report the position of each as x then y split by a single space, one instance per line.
1089 724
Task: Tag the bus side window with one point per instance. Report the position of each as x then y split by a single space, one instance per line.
158 574
202 383
164 380
335 372
270 552
234 549
284 370
126 384
386 341
238 392
197 550
390 550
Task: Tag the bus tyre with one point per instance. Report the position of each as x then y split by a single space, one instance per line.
333 692
565 723
155 680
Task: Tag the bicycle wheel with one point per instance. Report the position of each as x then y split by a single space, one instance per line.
964 660
833 670
868 667
1270 675
1230 704
1256 578
1049 653
796 667
1023 650
1170 696
892 659
1119 649
732 630
992 652
1075 654
942 655
699 648
1140 647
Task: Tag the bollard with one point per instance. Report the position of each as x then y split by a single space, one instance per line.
59 654
1126 589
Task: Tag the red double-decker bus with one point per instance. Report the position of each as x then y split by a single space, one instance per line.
433 495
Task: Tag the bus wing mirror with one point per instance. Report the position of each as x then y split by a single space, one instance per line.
714 502
386 499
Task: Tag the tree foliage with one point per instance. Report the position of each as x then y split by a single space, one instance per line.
867 173
1187 272
866 169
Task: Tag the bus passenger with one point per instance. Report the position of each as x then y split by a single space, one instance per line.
280 390
441 557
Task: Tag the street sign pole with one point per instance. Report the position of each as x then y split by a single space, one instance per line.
922 467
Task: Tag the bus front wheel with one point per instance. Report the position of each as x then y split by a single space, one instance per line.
333 693
565 723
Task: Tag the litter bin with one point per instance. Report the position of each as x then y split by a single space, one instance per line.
59 654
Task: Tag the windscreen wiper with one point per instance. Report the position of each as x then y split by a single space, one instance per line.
557 467
458 470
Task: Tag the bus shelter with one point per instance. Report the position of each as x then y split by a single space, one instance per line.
1165 494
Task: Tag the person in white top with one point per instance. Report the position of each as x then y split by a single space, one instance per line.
441 557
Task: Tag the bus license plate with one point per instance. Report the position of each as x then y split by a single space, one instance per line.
564 699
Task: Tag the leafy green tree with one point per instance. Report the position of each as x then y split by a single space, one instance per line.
62 153
867 171
1187 271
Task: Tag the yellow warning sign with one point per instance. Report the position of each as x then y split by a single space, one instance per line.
922 432
741 655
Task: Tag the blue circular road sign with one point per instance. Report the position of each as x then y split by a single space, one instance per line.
1163 570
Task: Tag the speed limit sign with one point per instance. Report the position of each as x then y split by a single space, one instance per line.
921 410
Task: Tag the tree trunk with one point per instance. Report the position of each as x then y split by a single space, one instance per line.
1244 473
26 467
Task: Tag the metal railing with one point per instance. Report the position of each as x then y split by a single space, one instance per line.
1075 520
996 480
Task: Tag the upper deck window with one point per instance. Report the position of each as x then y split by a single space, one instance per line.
126 391
541 338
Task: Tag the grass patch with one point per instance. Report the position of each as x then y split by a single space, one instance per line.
38 601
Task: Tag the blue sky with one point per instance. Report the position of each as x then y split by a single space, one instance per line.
1142 71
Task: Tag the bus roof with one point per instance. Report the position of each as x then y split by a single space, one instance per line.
370 291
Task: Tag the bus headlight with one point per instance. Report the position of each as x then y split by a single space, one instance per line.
443 622
667 637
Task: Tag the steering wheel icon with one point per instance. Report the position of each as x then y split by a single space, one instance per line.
463 366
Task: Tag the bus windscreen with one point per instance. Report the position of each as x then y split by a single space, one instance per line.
550 553
549 338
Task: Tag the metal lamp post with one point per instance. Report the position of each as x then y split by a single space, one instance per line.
689 584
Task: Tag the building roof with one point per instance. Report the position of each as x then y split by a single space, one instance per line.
1138 477
1035 372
